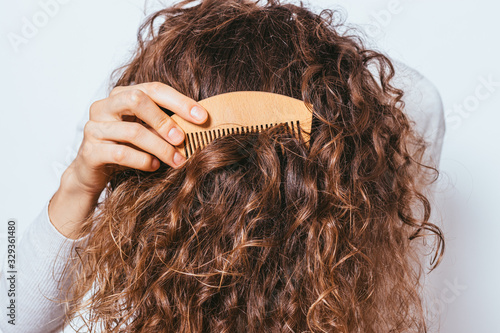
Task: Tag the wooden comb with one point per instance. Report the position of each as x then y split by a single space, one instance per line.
245 112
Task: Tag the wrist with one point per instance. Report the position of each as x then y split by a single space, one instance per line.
70 206
71 185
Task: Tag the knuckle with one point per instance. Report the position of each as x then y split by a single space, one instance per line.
87 150
155 86
118 154
88 129
165 123
133 132
135 98
94 130
93 109
116 90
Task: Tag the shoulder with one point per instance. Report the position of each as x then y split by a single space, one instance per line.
423 105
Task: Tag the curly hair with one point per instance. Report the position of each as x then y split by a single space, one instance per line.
259 232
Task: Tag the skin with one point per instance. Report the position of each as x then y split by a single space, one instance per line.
125 130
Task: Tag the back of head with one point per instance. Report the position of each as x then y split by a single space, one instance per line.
259 232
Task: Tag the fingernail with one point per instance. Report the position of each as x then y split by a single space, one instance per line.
198 113
178 158
175 134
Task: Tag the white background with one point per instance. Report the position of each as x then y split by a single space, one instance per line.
49 81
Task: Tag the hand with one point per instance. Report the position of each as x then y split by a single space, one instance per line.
124 130
107 138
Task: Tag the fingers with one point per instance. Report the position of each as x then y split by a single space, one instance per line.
146 128
138 104
99 154
171 99
136 134
142 101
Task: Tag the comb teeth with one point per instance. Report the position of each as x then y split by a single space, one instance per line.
241 112
199 140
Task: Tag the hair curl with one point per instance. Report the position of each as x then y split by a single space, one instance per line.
261 232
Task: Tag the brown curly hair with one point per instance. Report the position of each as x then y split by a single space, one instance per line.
261 232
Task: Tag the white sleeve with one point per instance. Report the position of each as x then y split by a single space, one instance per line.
424 107
41 253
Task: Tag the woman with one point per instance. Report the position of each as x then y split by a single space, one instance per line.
245 236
